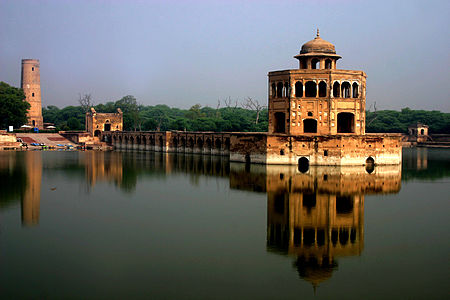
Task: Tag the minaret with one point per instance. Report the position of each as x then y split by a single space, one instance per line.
31 85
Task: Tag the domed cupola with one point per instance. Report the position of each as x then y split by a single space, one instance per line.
317 54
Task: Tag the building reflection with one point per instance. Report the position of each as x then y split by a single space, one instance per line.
32 194
21 178
316 216
102 166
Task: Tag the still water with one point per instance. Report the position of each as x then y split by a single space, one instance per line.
131 225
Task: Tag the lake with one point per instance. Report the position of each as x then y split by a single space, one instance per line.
145 225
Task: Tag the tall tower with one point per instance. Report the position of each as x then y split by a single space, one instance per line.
317 98
31 85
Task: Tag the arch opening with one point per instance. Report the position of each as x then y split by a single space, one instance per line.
274 90
336 90
355 90
280 122
286 90
96 133
322 89
328 64
298 89
279 90
315 64
309 126
345 122
345 90
370 165
303 164
310 89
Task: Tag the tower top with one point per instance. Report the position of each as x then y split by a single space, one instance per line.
317 47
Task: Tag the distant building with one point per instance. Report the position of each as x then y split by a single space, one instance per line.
419 132
96 123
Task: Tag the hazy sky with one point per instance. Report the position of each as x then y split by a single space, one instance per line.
181 53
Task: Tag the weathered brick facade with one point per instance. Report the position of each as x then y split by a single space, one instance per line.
96 123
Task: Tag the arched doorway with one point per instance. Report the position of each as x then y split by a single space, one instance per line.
280 122
107 127
345 122
303 164
309 126
97 133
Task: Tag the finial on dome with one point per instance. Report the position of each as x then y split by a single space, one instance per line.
318 34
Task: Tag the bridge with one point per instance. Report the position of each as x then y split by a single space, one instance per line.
214 143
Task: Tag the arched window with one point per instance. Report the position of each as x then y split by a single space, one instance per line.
345 122
309 126
315 64
336 90
355 90
298 89
303 64
322 89
345 89
280 121
328 64
279 89
286 89
310 89
422 132
274 90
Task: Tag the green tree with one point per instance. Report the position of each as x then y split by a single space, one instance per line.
74 124
13 107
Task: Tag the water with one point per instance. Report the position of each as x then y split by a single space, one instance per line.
110 225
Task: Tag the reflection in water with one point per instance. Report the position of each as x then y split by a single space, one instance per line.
32 195
425 163
316 215
21 177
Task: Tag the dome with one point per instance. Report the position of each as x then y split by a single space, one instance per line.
318 45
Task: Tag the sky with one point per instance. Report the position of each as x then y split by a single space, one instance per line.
181 53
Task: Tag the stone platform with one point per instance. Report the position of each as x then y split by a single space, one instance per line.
272 149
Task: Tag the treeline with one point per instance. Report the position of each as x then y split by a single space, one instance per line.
247 117
398 121
162 117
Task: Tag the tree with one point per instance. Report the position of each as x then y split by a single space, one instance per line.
85 102
130 108
252 104
13 106
73 123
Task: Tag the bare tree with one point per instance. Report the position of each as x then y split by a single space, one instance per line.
252 104
85 101
375 116
229 103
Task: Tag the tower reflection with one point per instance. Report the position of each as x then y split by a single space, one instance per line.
31 198
316 216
